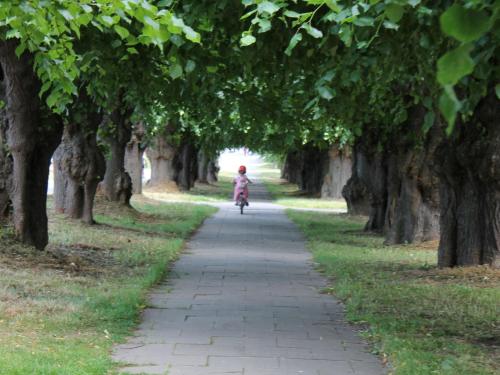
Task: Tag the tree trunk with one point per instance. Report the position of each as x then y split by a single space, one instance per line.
355 192
339 172
313 170
117 184
31 144
469 171
134 153
294 165
375 178
213 171
412 213
203 162
164 162
189 168
79 165
5 162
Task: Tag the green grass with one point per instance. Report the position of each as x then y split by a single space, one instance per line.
61 311
219 192
426 320
288 195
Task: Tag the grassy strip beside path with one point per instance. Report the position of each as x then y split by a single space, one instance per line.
61 310
428 321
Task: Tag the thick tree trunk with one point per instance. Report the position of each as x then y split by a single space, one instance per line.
355 192
469 171
294 164
375 178
31 144
134 153
79 166
203 162
117 184
189 165
412 213
339 172
164 162
5 162
314 170
213 171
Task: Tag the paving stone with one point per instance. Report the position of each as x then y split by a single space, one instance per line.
245 299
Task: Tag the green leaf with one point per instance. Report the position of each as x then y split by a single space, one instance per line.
268 7
190 66
428 121
497 90
394 12
449 106
247 40
175 71
293 43
291 14
465 25
315 33
123 32
191 35
364 21
326 93
455 65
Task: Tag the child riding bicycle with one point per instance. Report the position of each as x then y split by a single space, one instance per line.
240 183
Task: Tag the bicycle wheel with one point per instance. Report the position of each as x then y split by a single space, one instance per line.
242 204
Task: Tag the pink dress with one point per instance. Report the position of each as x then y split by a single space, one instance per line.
241 184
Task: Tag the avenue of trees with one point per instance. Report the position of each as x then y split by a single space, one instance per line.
392 104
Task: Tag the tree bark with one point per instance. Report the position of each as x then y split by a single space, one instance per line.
117 184
203 162
412 213
313 170
339 172
355 192
31 143
188 165
134 153
79 164
469 172
164 162
213 171
5 162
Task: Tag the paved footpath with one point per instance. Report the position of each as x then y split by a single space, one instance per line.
244 299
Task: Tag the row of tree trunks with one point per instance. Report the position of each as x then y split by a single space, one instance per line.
32 137
441 187
399 184
117 184
339 169
79 164
188 163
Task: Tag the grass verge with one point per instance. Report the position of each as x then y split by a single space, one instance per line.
426 320
61 310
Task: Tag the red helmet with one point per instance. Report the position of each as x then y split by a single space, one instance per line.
242 169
